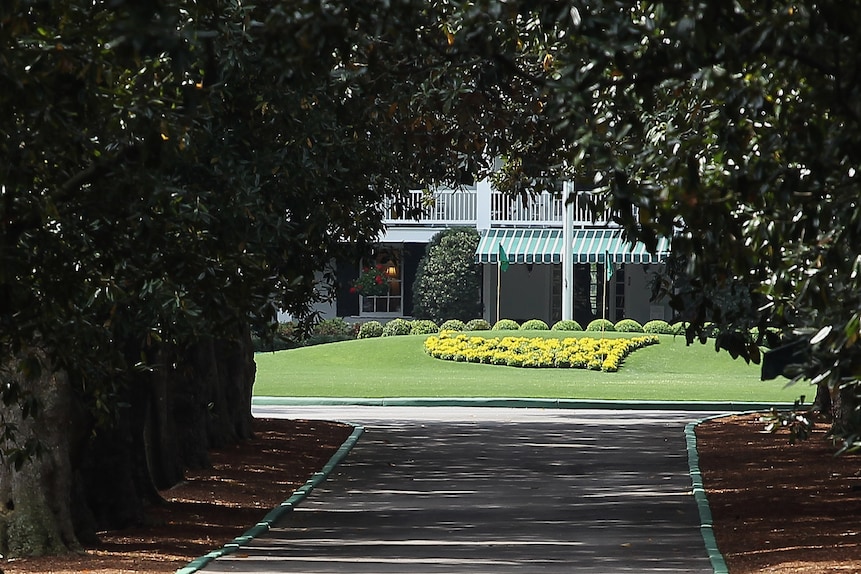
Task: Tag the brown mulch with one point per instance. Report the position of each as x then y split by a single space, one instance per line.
777 507
211 507
780 507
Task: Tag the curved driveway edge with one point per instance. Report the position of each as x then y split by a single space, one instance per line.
706 522
282 509
514 402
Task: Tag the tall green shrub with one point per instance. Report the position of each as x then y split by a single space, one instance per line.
448 281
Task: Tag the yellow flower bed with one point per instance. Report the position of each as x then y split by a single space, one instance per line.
580 353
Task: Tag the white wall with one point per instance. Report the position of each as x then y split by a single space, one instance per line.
638 290
525 294
326 310
528 295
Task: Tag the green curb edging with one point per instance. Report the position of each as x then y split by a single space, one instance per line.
279 511
515 402
706 522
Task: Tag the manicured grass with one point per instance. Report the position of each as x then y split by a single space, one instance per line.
399 367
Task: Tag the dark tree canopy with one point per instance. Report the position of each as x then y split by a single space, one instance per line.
731 127
173 172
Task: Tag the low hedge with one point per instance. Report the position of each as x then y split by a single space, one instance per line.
396 327
601 325
534 325
370 330
423 327
453 325
477 325
628 326
506 325
658 327
566 325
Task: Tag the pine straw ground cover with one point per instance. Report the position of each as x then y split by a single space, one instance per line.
778 508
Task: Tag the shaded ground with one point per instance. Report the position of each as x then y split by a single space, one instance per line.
777 507
212 507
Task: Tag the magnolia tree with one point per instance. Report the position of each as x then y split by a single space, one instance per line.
732 128
173 172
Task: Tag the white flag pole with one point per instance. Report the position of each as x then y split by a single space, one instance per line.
498 286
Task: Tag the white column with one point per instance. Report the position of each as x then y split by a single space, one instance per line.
567 251
482 204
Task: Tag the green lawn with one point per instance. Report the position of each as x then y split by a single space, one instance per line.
399 367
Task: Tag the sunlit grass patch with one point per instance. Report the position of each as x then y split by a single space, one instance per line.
400 367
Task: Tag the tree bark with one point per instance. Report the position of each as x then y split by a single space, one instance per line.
93 478
113 475
236 369
844 412
36 500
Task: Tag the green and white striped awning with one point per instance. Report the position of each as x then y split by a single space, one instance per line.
545 246
521 245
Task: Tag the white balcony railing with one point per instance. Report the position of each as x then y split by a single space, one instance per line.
488 208
438 208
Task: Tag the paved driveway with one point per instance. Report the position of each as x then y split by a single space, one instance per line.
489 490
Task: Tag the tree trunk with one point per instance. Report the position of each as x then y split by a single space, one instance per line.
176 429
822 402
844 412
36 500
236 370
166 421
113 475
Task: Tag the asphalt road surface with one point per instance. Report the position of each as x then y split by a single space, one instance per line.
492 490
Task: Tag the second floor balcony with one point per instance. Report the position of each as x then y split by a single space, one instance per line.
482 207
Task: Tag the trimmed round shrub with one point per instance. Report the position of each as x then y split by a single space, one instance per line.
330 331
452 325
370 329
477 325
601 325
335 327
423 327
506 325
629 326
396 327
288 331
658 327
566 325
679 328
534 325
